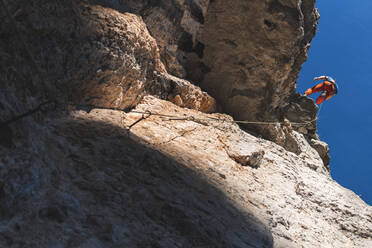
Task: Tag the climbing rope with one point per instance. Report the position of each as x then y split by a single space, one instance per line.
192 118
44 106
147 113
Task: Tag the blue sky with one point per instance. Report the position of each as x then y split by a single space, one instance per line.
342 49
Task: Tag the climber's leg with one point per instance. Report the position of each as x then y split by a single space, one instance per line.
322 97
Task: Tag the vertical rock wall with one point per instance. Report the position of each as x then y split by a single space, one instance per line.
88 52
246 54
109 178
253 52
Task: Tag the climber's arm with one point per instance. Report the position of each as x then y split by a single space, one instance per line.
314 89
321 78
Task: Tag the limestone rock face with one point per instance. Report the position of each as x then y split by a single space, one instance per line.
292 194
253 51
112 179
95 55
246 54
78 171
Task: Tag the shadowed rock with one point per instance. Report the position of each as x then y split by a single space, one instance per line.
109 178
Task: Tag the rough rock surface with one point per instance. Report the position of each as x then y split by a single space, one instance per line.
253 52
93 55
87 180
246 54
106 178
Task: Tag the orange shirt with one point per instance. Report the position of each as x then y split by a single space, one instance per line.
324 86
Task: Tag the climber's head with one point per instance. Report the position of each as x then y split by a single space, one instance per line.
331 80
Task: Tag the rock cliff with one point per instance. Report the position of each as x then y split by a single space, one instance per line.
115 128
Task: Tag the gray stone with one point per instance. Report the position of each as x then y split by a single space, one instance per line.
323 150
164 174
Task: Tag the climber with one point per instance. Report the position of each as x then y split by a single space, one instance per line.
328 88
